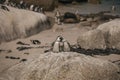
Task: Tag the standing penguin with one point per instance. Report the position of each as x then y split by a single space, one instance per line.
113 8
57 17
36 8
57 45
31 7
21 4
42 10
66 46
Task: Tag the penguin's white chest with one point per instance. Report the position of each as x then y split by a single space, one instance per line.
66 47
56 47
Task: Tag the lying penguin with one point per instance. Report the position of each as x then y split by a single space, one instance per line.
60 45
4 7
35 42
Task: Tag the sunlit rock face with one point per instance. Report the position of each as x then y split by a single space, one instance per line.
111 30
104 36
91 40
63 66
18 23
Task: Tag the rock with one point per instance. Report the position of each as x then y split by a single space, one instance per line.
104 36
70 20
92 39
85 23
97 18
18 24
89 19
83 18
63 66
111 30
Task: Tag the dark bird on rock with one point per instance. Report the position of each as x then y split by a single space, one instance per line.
36 42
23 60
21 43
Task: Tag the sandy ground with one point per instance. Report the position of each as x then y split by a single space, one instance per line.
69 31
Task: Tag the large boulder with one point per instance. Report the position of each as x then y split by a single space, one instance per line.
91 40
18 23
111 30
104 36
63 66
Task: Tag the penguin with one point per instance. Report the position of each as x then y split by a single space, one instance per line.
17 5
58 21
36 42
25 6
22 4
57 45
57 17
42 10
39 9
36 9
23 60
32 7
13 4
66 46
57 14
61 45
76 12
113 8
4 8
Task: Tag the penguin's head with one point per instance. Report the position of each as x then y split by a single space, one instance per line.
21 2
59 39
